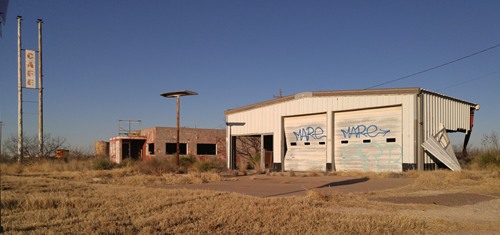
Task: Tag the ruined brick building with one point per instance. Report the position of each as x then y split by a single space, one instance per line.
161 142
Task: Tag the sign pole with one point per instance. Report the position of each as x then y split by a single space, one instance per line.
40 90
20 151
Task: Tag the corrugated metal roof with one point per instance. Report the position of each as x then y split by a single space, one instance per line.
387 91
448 97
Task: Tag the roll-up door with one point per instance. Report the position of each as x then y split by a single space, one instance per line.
368 140
306 142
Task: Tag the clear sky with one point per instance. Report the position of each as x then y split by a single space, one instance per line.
111 60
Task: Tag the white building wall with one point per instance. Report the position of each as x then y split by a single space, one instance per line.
268 119
454 115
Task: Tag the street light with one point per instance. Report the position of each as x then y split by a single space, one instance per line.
177 95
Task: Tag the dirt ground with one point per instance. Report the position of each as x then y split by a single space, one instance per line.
454 206
414 203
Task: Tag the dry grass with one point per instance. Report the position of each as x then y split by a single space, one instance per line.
465 181
40 205
66 200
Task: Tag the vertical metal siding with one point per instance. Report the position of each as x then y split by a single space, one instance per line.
268 119
454 115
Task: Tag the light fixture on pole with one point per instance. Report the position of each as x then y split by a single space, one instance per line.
177 95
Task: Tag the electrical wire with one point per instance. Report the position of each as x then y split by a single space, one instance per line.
435 67
467 81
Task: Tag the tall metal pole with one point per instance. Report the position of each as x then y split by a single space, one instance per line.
178 149
1 124
1 227
20 151
177 95
40 90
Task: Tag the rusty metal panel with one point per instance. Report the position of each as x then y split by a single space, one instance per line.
369 140
306 142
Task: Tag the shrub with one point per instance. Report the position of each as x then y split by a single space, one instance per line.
489 159
210 164
156 166
102 164
187 161
127 162
254 161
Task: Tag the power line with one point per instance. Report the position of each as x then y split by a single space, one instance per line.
467 81
435 67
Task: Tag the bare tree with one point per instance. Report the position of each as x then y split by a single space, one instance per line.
81 152
490 142
248 145
248 148
31 146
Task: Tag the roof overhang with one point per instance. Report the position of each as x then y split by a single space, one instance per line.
385 91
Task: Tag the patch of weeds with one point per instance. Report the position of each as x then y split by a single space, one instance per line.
315 194
127 162
489 159
156 166
102 164
187 161
211 164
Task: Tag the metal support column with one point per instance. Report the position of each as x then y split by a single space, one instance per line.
20 150
420 132
40 90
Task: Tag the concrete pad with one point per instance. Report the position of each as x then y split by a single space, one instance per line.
272 186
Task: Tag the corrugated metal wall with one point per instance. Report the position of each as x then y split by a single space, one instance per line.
269 119
453 114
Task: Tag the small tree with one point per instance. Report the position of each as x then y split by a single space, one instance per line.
249 150
490 142
31 148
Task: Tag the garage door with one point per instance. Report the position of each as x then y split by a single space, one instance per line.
368 140
306 142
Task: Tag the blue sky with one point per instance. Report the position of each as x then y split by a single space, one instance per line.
111 60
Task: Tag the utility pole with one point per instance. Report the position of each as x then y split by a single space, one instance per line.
20 151
40 90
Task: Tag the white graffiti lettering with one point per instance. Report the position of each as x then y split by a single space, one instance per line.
362 130
309 132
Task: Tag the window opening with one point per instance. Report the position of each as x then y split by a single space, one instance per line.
391 140
151 148
171 148
206 149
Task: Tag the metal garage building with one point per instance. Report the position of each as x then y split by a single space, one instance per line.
368 130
